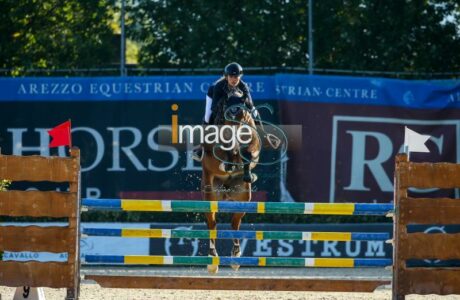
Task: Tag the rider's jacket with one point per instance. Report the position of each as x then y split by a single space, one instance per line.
221 91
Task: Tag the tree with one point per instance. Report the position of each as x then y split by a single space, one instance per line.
204 33
380 35
55 34
414 36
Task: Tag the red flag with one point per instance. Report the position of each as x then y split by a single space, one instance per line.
61 135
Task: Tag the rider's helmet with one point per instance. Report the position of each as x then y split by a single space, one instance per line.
233 69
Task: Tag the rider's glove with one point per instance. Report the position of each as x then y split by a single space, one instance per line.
254 113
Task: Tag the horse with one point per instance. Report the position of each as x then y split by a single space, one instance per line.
226 174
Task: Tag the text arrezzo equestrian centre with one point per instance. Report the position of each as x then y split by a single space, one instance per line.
349 172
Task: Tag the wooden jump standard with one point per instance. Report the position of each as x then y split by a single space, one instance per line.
42 239
426 211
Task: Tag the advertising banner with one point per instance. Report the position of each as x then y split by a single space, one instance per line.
342 132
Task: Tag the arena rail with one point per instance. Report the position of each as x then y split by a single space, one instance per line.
57 239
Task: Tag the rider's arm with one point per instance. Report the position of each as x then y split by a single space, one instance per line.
208 111
248 99
217 94
246 94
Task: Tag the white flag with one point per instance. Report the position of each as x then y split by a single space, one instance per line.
414 141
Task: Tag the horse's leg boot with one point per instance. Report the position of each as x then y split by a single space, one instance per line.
236 252
247 174
229 166
213 269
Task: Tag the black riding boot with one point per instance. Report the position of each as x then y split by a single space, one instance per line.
198 153
247 177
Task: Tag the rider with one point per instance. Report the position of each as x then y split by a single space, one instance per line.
228 85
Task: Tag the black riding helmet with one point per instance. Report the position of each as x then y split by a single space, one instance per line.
233 69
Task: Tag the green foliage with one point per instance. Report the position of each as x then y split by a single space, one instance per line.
377 35
55 34
380 35
417 35
212 33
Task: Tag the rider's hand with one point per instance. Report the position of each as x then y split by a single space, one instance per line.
254 113
248 103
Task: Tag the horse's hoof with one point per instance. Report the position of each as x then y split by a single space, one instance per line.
222 167
236 253
213 269
235 267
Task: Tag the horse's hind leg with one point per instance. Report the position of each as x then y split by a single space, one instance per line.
236 251
209 194
212 224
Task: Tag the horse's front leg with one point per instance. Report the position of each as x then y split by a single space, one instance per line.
209 194
236 250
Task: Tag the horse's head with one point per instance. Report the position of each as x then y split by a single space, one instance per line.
234 109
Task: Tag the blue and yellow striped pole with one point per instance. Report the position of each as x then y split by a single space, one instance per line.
238 234
242 261
234 206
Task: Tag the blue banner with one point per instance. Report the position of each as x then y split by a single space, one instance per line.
119 88
290 87
351 129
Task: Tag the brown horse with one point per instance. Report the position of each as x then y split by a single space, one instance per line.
226 174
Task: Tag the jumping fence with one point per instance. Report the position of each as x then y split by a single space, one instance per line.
407 245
